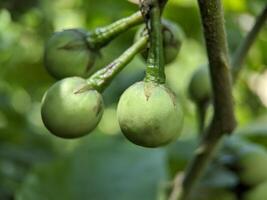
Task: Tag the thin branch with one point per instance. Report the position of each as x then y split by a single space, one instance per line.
243 49
223 120
103 77
176 186
103 35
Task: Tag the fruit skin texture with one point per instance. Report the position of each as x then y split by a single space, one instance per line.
67 53
200 86
149 115
68 114
172 40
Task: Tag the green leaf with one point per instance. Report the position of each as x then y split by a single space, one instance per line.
49 182
219 177
100 168
256 133
180 153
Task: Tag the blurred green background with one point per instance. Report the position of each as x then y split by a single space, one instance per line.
34 165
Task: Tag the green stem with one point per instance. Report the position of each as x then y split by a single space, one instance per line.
223 120
155 62
243 49
102 78
103 35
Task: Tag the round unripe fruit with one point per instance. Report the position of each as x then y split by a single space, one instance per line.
67 53
172 36
68 114
149 115
257 193
200 86
252 164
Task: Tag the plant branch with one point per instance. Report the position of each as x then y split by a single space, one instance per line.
103 35
238 58
102 78
246 44
223 120
214 134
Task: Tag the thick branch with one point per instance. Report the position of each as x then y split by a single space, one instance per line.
223 121
243 49
214 133
214 31
238 58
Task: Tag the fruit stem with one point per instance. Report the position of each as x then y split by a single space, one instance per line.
155 61
102 78
246 44
223 121
103 35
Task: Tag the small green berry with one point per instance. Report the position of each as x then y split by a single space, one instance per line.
67 53
258 192
252 164
172 40
149 115
68 114
200 86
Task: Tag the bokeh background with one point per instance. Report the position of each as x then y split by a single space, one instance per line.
35 165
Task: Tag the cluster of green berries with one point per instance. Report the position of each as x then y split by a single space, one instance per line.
245 164
148 112
237 171
249 162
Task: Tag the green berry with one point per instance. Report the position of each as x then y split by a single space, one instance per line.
149 115
172 40
257 193
252 164
68 114
67 53
200 86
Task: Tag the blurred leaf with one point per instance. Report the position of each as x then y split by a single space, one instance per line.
256 133
258 192
180 153
18 7
101 168
201 193
219 177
